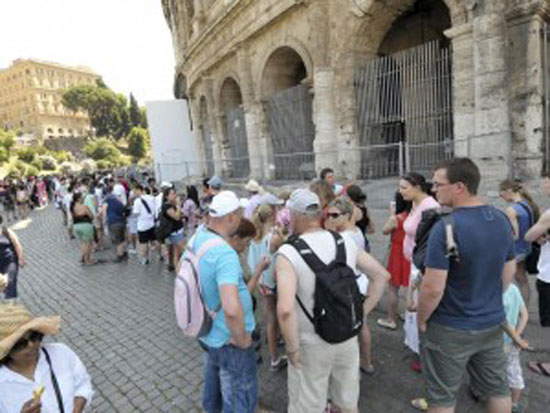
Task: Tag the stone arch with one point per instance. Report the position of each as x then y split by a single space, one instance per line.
207 143
234 128
381 15
413 74
290 46
289 110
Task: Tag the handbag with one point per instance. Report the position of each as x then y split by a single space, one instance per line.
54 382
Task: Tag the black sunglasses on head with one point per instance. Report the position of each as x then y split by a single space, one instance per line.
23 342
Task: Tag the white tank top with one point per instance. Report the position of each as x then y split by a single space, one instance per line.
544 263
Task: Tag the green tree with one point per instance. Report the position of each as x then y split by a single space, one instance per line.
27 154
138 143
144 123
7 140
103 149
135 112
104 107
4 155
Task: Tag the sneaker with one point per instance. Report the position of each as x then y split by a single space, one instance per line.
119 259
143 261
386 324
171 268
278 364
132 251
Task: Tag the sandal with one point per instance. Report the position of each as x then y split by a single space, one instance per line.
386 324
420 404
538 367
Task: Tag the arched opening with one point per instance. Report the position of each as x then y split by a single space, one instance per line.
404 97
206 132
234 129
289 108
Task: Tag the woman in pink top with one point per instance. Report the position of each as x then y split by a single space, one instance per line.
414 187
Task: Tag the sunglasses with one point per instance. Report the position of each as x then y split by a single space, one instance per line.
334 215
32 337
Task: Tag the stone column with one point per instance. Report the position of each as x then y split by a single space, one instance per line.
463 87
491 145
215 131
252 114
526 90
325 143
197 133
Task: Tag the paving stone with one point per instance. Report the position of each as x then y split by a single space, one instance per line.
119 318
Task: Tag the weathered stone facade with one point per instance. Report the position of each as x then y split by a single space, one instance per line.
239 53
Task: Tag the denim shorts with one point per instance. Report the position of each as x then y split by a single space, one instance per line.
175 237
447 353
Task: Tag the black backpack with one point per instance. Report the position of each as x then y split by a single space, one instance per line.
338 304
430 217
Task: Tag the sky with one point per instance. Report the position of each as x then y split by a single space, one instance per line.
127 42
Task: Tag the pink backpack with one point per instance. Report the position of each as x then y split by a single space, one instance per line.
192 315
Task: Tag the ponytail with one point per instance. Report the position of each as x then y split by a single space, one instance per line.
518 188
260 218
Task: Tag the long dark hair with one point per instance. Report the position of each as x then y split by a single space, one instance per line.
401 205
518 188
416 179
77 196
193 194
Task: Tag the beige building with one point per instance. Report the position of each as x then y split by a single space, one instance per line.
30 99
282 88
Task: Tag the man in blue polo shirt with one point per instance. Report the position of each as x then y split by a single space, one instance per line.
460 308
230 383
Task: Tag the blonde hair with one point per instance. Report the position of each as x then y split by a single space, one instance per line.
323 190
518 188
261 217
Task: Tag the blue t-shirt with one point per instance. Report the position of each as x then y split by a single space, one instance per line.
221 266
525 218
473 294
513 302
115 210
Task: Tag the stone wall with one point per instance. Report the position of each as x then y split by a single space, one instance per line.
497 71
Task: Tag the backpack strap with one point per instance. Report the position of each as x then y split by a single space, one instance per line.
211 243
340 248
307 254
452 248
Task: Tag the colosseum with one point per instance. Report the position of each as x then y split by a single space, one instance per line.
279 89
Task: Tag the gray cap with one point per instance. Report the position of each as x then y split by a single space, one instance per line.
215 182
270 199
304 201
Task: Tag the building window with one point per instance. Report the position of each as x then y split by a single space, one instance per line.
60 130
50 130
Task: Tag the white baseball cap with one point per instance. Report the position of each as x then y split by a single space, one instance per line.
270 199
223 203
304 201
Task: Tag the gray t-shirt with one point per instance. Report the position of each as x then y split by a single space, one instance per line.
323 245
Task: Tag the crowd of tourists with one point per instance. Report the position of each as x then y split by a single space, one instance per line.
295 268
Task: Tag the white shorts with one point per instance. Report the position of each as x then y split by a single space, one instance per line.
514 373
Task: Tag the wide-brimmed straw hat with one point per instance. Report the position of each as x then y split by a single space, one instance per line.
15 322
253 186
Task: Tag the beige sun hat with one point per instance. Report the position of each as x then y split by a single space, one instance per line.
253 186
16 321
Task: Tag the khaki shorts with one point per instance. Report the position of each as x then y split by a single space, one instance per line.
447 353
329 371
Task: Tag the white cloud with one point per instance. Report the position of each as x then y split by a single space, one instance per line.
125 41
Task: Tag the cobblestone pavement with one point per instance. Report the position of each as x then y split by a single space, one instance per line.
119 318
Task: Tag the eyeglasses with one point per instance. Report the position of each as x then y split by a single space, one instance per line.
23 342
334 215
437 185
